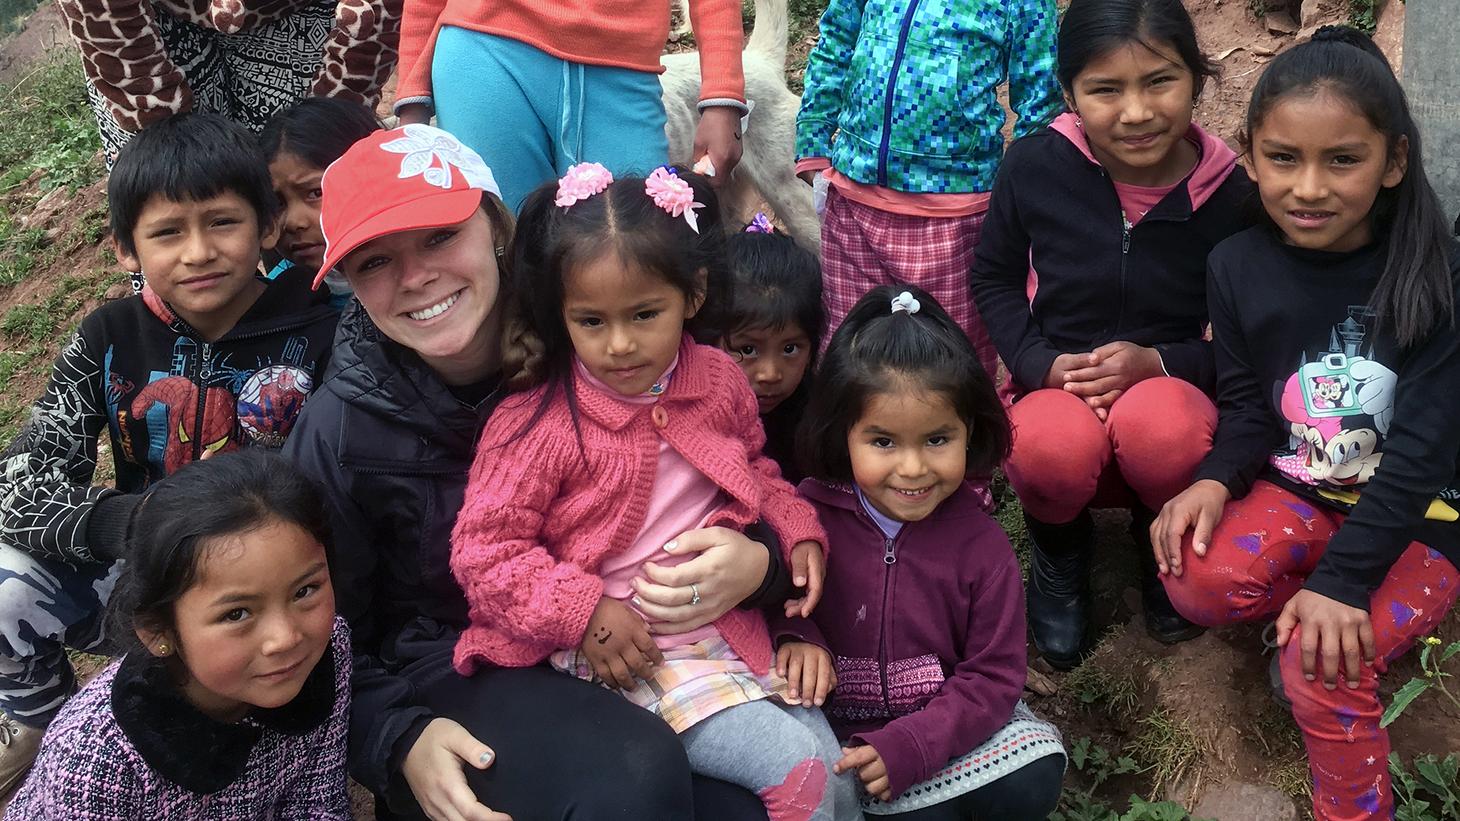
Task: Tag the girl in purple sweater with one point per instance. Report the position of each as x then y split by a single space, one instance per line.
922 609
232 702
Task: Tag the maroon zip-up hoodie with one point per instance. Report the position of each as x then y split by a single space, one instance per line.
927 630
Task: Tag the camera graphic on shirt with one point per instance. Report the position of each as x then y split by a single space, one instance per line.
1328 387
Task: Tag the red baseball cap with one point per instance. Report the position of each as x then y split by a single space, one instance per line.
415 176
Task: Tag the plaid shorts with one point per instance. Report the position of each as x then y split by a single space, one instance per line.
863 247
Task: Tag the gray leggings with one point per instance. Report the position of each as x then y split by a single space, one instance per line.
775 751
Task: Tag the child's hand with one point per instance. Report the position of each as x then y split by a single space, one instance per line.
1111 371
808 570
618 645
718 137
1198 509
1341 633
809 670
870 768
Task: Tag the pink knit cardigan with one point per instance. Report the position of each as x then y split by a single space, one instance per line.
542 513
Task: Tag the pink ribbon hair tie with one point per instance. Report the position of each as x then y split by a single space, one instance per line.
581 182
674 195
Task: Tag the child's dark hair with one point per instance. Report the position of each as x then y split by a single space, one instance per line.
877 350
774 283
1414 296
318 130
1091 28
186 514
188 157
552 241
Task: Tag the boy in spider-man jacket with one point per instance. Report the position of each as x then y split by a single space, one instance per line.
210 357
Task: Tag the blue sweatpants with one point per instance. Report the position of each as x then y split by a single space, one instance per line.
531 115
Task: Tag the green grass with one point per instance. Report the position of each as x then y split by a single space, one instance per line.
14 12
50 135
49 128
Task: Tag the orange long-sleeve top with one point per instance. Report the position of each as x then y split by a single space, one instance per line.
622 33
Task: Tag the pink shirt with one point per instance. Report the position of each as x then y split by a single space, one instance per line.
1137 200
682 499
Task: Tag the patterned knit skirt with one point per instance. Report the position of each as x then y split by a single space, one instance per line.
1025 739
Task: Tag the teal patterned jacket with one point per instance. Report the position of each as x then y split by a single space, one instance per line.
901 93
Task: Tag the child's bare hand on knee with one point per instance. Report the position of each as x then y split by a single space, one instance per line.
1196 509
870 767
1337 635
1112 370
809 670
618 645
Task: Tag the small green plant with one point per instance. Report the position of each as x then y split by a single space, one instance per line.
1432 661
1098 765
1431 793
1364 14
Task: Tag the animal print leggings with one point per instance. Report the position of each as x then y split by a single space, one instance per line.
1261 553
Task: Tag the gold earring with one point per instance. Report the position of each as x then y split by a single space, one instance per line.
163 649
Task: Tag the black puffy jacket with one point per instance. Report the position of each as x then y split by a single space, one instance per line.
390 447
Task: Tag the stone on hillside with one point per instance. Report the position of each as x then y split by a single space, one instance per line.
1238 801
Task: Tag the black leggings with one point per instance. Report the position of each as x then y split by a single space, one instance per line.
1030 792
567 749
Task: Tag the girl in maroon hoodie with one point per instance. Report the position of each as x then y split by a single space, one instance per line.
922 608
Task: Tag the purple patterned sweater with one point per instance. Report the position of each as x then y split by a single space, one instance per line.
127 746
929 647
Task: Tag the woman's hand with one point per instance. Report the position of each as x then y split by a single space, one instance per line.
1109 371
808 669
1342 634
432 770
718 137
618 645
729 568
808 570
1197 509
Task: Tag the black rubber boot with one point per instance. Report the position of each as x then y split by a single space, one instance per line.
1163 622
1059 588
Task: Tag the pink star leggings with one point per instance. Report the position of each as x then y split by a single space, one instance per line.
1262 551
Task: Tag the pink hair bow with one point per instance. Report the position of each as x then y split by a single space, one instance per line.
581 182
674 195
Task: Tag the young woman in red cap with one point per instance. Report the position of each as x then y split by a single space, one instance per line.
413 219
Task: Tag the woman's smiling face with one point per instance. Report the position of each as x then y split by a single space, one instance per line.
434 291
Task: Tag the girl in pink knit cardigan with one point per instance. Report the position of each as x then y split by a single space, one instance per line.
633 435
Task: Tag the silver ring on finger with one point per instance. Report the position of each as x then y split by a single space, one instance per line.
695 590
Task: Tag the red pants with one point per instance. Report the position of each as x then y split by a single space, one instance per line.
1065 459
1262 550
863 247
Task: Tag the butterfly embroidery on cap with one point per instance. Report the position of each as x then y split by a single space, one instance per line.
431 153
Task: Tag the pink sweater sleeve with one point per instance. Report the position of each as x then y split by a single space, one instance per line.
793 518
417 45
719 32
523 602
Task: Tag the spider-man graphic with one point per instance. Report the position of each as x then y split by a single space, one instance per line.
170 406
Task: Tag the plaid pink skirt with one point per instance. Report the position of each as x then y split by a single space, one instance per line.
863 247
694 682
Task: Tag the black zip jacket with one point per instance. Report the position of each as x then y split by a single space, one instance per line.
166 397
1055 207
